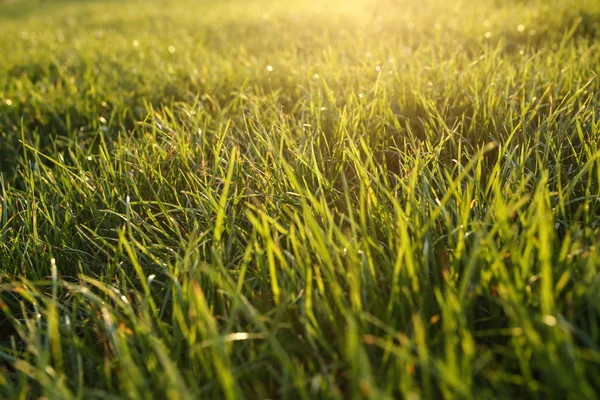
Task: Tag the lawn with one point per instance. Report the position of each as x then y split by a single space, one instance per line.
299 199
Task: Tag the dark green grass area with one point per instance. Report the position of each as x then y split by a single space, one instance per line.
299 199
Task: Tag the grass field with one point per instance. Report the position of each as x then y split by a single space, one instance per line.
299 199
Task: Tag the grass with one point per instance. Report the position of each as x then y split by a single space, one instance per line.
359 199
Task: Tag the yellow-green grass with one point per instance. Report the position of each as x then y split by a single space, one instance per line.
299 199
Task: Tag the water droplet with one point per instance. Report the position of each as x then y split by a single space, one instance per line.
323 108
136 43
102 119
521 28
270 68
8 102
171 49
488 35
89 158
360 95
378 68
532 32
316 76
550 320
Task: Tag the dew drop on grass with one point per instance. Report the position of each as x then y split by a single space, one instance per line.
532 32
550 320
8 102
171 49
521 28
316 76
136 43
270 68
89 158
488 35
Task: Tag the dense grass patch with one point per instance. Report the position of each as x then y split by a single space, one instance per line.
376 199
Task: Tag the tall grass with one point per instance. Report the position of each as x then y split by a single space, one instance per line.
374 199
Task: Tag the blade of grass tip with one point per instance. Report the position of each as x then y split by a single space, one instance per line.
53 322
219 224
53 161
270 247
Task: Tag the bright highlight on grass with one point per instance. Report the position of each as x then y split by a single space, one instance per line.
303 199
